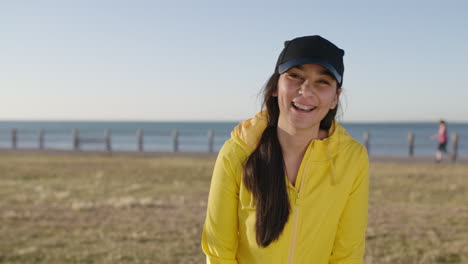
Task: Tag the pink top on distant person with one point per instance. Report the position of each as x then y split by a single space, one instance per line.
442 134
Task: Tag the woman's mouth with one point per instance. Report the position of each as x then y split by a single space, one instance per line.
303 108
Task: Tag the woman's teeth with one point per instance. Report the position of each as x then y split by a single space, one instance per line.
303 107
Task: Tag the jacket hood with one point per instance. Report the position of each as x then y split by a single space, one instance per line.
248 133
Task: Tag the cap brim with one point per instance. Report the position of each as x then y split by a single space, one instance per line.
294 62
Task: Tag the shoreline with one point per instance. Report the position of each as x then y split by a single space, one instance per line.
372 158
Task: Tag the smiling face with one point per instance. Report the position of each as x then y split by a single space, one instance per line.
305 95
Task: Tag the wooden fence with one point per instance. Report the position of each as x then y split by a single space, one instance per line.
411 139
78 141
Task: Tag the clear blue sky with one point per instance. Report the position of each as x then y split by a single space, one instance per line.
207 60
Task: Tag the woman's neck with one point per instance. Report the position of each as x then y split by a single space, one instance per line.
295 142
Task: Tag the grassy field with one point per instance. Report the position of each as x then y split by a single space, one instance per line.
99 209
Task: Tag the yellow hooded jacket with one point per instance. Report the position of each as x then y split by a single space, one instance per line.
328 203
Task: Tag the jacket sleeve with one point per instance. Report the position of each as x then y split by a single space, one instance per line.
351 235
220 231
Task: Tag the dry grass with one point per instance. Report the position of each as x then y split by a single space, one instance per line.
98 209
418 214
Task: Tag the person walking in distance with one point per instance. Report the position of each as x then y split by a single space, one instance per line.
441 137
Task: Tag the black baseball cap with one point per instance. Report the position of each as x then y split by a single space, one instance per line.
312 49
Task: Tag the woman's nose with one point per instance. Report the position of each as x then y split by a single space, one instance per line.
306 89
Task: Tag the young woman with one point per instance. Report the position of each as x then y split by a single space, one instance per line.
291 186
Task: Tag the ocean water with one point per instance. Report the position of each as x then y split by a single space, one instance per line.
385 138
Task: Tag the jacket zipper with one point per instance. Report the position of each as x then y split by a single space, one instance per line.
293 237
296 215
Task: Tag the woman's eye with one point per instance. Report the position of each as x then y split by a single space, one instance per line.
324 82
295 76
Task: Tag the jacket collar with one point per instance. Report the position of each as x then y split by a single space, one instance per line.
248 133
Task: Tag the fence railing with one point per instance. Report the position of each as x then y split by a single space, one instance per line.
411 144
79 140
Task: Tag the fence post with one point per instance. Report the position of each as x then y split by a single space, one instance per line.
175 135
210 140
367 141
76 140
107 134
411 143
41 139
455 146
140 139
14 138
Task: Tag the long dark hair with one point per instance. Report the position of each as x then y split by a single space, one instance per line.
264 172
